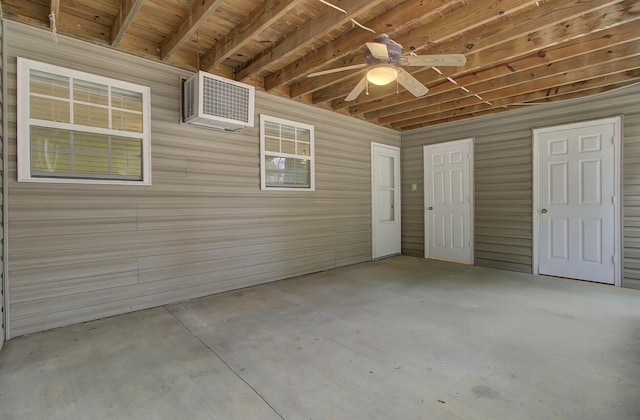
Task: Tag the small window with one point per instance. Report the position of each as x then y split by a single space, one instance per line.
286 151
79 127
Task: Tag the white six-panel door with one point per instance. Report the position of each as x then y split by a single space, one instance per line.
385 192
448 201
575 213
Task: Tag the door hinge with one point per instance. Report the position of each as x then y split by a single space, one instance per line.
613 199
613 259
613 140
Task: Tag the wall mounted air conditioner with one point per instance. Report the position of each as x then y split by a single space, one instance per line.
213 101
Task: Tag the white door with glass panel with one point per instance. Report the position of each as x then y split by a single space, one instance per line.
448 201
575 207
385 186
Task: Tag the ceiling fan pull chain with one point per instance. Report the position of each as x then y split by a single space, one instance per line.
367 88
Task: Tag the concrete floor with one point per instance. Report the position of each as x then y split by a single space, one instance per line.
401 338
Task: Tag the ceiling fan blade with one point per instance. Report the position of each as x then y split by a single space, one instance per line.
433 60
336 70
378 50
411 83
357 90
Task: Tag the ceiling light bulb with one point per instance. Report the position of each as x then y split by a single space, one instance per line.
382 75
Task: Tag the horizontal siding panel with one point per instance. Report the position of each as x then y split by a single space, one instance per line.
502 248
501 234
503 257
184 283
503 265
69 285
82 252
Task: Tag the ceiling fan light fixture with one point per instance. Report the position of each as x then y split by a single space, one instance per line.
382 75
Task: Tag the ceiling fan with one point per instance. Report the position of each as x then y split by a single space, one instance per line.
383 56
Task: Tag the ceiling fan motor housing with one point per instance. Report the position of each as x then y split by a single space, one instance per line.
393 48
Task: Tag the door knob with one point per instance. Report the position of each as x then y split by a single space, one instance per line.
543 211
429 208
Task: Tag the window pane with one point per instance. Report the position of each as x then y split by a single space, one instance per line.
76 154
126 156
385 210
304 134
304 149
89 92
128 121
49 84
50 150
272 129
90 115
126 99
287 172
129 165
271 145
49 109
288 147
288 132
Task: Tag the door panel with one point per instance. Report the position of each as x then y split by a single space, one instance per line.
576 209
385 185
447 180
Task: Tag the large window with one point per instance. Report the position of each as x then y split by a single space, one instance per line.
286 151
79 127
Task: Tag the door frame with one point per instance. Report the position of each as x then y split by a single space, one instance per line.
471 195
397 206
617 188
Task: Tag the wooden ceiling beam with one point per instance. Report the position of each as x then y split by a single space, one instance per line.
562 93
267 14
121 23
628 64
307 34
474 15
530 77
340 52
480 111
199 11
526 35
570 54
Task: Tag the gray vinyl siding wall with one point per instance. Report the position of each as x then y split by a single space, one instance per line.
82 252
504 177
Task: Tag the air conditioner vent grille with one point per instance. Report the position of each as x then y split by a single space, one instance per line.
223 99
212 101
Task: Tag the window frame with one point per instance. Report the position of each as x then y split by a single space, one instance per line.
24 123
263 153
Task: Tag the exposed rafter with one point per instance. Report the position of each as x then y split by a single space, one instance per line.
199 12
258 22
522 82
338 52
311 32
574 54
518 52
121 23
498 43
